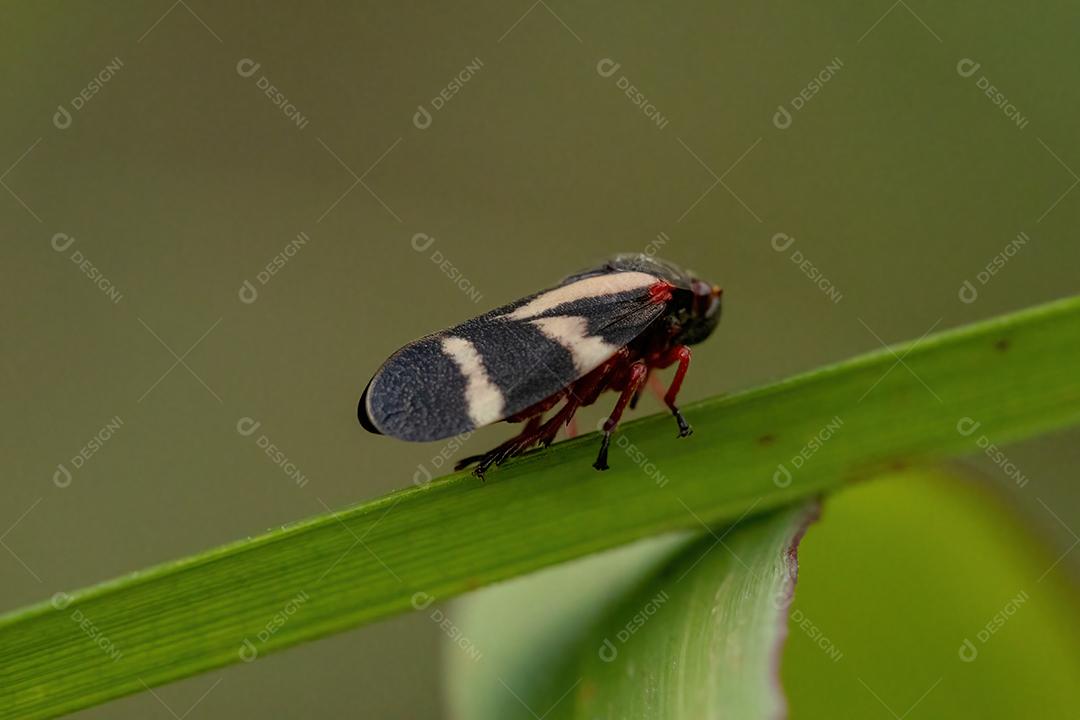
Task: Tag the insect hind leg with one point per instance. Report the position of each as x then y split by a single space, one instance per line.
580 393
534 433
486 459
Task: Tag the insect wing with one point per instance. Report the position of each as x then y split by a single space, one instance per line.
496 365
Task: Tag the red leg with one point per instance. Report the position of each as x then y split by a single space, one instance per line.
582 392
529 431
546 434
633 384
540 435
534 433
682 355
648 381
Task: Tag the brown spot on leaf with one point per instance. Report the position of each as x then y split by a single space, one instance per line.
1002 345
766 439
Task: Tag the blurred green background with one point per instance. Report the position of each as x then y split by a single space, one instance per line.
179 179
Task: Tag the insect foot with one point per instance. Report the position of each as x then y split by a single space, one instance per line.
684 427
601 457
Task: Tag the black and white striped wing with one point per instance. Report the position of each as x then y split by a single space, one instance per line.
498 364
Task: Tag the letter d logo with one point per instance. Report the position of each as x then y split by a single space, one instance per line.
422 118
967 67
781 242
248 652
60 600
247 67
607 67
422 476
968 294
421 242
62 477
62 118
781 118
61 242
965 426
782 477
248 294
608 652
247 426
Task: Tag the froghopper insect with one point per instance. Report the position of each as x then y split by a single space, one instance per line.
606 328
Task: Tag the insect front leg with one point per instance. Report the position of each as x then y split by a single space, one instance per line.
680 354
635 379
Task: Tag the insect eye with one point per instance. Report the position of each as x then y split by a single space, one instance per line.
706 298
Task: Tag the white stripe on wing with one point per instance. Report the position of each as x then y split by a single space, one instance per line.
595 286
483 399
588 351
